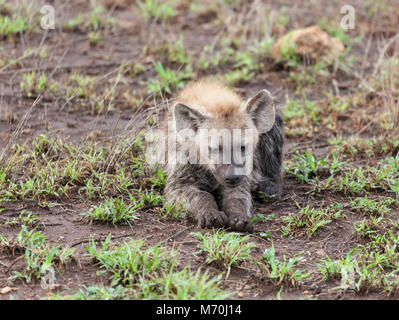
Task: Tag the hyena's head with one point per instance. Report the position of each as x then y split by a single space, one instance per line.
224 134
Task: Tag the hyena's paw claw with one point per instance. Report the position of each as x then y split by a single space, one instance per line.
242 224
213 219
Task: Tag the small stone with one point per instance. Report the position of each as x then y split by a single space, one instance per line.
6 290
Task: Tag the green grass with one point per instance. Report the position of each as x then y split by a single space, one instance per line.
330 269
12 26
39 256
33 83
94 38
245 64
147 272
369 267
367 206
172 211
309 219
131 261
24 218
356 148
97 292
224 250
155 9
52 170
95 20
115 211
306 168
368 226
168 80
181 285
281 271
288 52
177 52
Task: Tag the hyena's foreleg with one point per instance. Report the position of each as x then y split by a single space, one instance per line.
198 203
237 204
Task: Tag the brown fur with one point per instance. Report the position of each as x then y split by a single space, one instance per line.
211 97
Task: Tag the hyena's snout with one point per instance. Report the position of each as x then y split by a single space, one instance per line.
231 175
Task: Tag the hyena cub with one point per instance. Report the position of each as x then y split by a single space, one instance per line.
224 149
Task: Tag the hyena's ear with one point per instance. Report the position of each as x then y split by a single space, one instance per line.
261 109
186 117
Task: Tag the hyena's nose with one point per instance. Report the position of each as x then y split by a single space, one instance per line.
232 178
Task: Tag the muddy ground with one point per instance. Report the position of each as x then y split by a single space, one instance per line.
133 40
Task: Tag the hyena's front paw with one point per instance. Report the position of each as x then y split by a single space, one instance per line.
241 223
213 219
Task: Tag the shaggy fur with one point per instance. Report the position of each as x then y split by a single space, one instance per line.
202 188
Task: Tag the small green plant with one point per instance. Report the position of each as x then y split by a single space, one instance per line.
83 86
224 249
99 293
35 84
11 26
367 226
74 23
364 205
183 285
24 218
306 167
177 52
98 19
114 210
25 238
354 182
159 178
280 272
373 267
288 52
148 198
168 80
94 37
173 211
41 260
94 21
236 76
331 269
258 218
294 109
137 69
302 109
266 235
310 219
39 257
131 261
155 9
